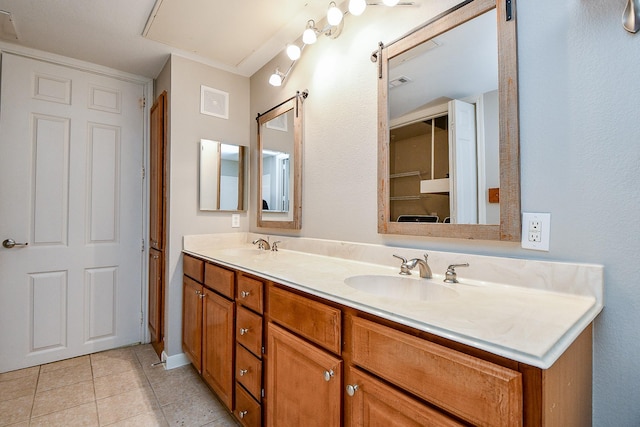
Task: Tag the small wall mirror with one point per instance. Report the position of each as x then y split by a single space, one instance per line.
280 165
222 176
448 136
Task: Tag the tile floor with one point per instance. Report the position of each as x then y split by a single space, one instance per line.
113 388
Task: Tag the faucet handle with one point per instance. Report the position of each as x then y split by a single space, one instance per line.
451 276
405 269
274 246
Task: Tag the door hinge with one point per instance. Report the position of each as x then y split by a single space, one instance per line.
142 248
262 393
143 102
144 172
141 317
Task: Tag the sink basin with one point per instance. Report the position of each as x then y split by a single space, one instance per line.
401 287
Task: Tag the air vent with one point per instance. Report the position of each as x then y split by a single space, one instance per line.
400 81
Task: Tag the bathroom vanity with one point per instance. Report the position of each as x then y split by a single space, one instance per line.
283 340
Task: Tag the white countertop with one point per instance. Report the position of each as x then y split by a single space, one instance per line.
530 325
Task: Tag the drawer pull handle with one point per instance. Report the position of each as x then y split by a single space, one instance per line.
243 372
245 294
244 331
328 375
243 413
351 389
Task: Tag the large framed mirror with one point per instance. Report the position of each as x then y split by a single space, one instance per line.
221 176
280 165
448 140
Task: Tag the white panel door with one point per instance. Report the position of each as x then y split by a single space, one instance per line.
463 163
71 156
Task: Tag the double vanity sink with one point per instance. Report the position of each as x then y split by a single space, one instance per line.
528 311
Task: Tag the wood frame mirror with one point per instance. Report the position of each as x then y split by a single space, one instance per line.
280 143
509 227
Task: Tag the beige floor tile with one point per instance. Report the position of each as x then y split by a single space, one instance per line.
62 398
64 377
67 363
117 362
147 356
148 419
20 373
15 410
12 389
225 421
110 385
159 374
122 353
187 383
195 410
126 405
79 416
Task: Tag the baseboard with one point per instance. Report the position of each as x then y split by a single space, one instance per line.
174 361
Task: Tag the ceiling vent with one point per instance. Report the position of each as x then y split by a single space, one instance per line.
400 81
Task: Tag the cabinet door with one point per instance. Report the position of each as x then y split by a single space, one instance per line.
218 345
371 403
303 382
156 300
157 142
192 321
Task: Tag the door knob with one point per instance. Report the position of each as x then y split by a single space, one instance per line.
10 243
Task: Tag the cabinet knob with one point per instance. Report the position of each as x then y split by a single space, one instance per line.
245 294
351 389
328 375
244 331
242 414
243 372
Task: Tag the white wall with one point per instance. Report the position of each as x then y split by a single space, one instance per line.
182 79
580 150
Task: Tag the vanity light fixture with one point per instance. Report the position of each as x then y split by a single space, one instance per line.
357 7
334 15
333 28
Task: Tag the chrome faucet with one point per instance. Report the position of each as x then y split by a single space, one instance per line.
262 244
423 265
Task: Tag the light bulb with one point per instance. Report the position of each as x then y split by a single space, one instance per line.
293 52
390 2
309 36
275 79
356 7
334 15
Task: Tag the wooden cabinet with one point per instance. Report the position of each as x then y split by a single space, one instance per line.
370 402
303 382
192 321
156 297
208 320
302 360
218 345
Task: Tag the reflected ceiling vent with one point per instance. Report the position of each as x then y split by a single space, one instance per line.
400 81
7 28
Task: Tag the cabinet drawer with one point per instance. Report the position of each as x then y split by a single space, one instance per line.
370 399
193 267
250 293
249 330
315 321
219 279
247 410
249 371
475 390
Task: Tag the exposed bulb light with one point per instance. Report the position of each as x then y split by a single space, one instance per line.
309 36
293 52
334 15
357 7
276 78
390 3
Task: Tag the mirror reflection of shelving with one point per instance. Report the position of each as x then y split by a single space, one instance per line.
419 153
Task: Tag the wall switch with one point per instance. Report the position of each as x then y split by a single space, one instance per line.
235 220
536 229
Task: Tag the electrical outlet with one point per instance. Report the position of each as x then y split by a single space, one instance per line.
235 220
536 229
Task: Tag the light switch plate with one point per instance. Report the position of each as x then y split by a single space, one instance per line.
235 220
536 231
